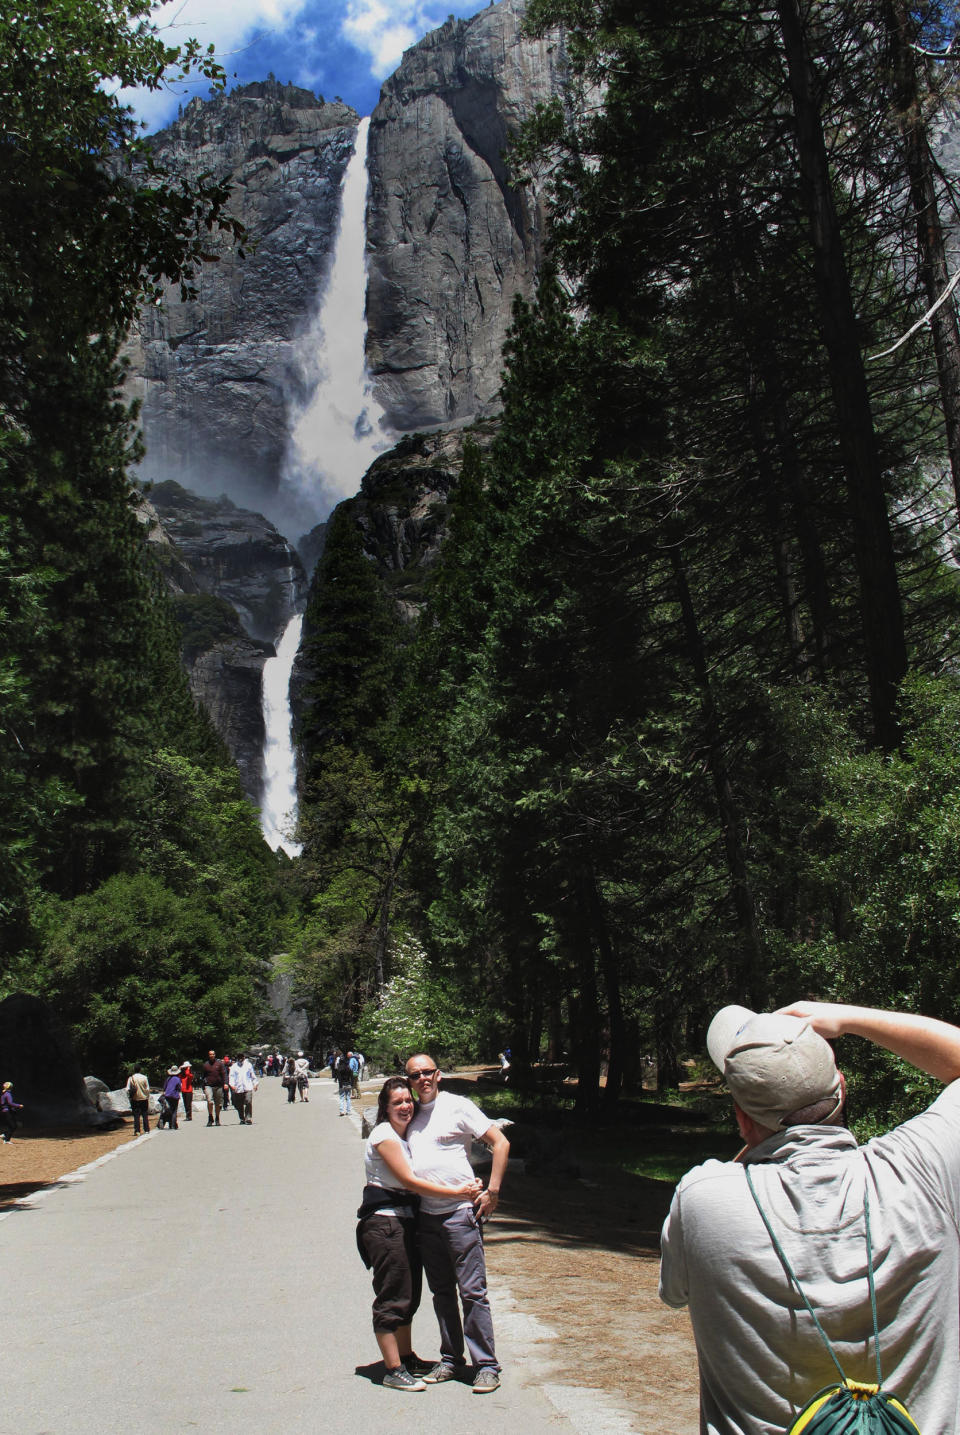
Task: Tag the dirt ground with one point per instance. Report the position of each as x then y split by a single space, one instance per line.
34 1159
580 1257
584 1260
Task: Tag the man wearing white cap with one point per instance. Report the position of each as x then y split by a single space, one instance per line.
760 1356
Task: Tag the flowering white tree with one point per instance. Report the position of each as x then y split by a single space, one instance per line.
412 1012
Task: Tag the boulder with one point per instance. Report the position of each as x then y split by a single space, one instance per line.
37 1055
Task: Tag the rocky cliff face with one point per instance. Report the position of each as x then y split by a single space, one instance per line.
235 583
235 555
403 506
401 512
450 241
220 375
217 374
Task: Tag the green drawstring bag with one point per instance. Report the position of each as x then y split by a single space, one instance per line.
849 1407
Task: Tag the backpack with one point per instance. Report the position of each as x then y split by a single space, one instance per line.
344 1071
849 1407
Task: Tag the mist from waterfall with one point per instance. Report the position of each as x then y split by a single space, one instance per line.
335 435
340 428
278 809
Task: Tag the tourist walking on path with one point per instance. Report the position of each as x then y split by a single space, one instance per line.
8 1121
302 1072
386 1233
186 1089
344 1075
138 1094
243 1083
214 1076
803 1178
170 1100
290 1078
450 1228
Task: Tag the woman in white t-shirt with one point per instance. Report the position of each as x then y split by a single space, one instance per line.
386 1233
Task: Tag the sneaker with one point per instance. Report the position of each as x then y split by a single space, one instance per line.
417 1367
439 1373
401 1379
485 1380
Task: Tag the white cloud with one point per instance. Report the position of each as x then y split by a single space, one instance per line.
383 29
380 32
227 24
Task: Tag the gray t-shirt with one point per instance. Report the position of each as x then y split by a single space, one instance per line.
760 1356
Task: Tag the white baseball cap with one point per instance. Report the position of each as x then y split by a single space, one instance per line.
773 1065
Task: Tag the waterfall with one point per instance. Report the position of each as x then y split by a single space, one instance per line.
278 808
340 428
335 435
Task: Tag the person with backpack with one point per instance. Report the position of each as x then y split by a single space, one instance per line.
344 1072
138 1094
810 1255
170 1101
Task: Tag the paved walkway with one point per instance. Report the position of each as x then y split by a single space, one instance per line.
207 1279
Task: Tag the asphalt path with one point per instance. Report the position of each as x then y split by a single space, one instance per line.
207 1279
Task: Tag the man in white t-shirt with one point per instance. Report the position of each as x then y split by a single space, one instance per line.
243 1083
450 1231
760 1356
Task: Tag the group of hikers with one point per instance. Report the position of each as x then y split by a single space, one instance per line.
224 1081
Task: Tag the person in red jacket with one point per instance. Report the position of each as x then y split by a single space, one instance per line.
186 1089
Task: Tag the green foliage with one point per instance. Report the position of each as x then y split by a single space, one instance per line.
414 1012
135 891
892 850
204 622
141 975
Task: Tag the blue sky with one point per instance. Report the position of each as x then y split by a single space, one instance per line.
333 47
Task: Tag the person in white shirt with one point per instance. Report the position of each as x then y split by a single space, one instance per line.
243 1083
450 1228
301 1072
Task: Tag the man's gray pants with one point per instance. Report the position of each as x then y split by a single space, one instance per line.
451 1247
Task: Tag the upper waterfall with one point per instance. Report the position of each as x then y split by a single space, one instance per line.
339 428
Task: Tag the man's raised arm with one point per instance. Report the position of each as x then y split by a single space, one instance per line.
930 1045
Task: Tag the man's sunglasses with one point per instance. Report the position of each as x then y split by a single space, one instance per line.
419 1075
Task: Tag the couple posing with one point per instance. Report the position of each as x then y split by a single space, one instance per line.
417 1157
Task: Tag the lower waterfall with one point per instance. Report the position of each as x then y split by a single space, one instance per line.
278 809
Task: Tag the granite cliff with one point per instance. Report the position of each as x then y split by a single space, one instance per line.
216 374
235 582
450 241
220 374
